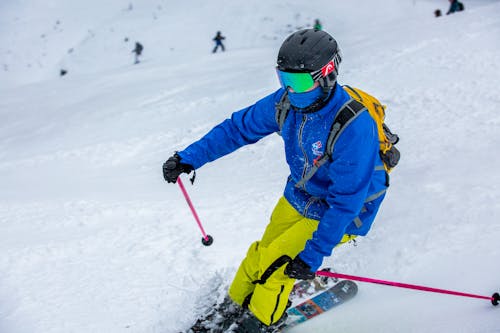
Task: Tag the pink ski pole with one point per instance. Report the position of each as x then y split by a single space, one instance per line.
495 298
207 240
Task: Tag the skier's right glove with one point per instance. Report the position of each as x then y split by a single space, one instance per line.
298 269
173 167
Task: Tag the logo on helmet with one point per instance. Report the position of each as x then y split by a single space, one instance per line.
328 68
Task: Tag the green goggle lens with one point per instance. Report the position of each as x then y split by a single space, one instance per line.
299 82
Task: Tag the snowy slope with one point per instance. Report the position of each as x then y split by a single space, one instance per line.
93 240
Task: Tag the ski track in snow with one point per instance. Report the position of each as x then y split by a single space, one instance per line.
93 240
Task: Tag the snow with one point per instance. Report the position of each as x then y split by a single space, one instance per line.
93 240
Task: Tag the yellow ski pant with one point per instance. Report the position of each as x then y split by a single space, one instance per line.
286 235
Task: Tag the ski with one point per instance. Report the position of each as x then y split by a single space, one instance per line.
326 300
214 319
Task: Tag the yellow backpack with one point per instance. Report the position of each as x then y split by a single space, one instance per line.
389 154
360 102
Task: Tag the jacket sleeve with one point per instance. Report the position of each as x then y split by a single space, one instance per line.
350 172
246 126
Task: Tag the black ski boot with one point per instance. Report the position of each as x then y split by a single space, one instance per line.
219 318
250 324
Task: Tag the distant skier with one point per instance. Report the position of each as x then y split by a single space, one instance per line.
317 25
329 198
455 6
437 13
218 42
137 51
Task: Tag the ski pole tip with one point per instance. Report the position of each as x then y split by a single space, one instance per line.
495 298
207 241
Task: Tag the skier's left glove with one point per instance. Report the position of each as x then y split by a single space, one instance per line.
173 167
298 269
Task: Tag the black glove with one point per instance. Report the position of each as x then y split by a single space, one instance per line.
298 269
173 167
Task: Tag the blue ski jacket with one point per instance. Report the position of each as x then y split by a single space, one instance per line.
454 7
343 195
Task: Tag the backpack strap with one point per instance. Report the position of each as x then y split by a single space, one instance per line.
347 114
282 109
346 86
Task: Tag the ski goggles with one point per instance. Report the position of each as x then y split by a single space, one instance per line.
299 82
303 81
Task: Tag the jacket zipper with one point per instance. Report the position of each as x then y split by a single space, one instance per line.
306 161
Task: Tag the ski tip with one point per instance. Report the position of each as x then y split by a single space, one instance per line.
495 298
351 285
207 241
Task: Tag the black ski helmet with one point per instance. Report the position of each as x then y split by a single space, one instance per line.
311 51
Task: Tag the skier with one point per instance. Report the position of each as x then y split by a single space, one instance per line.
338 203
455 6
218 42
317 25
137 51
